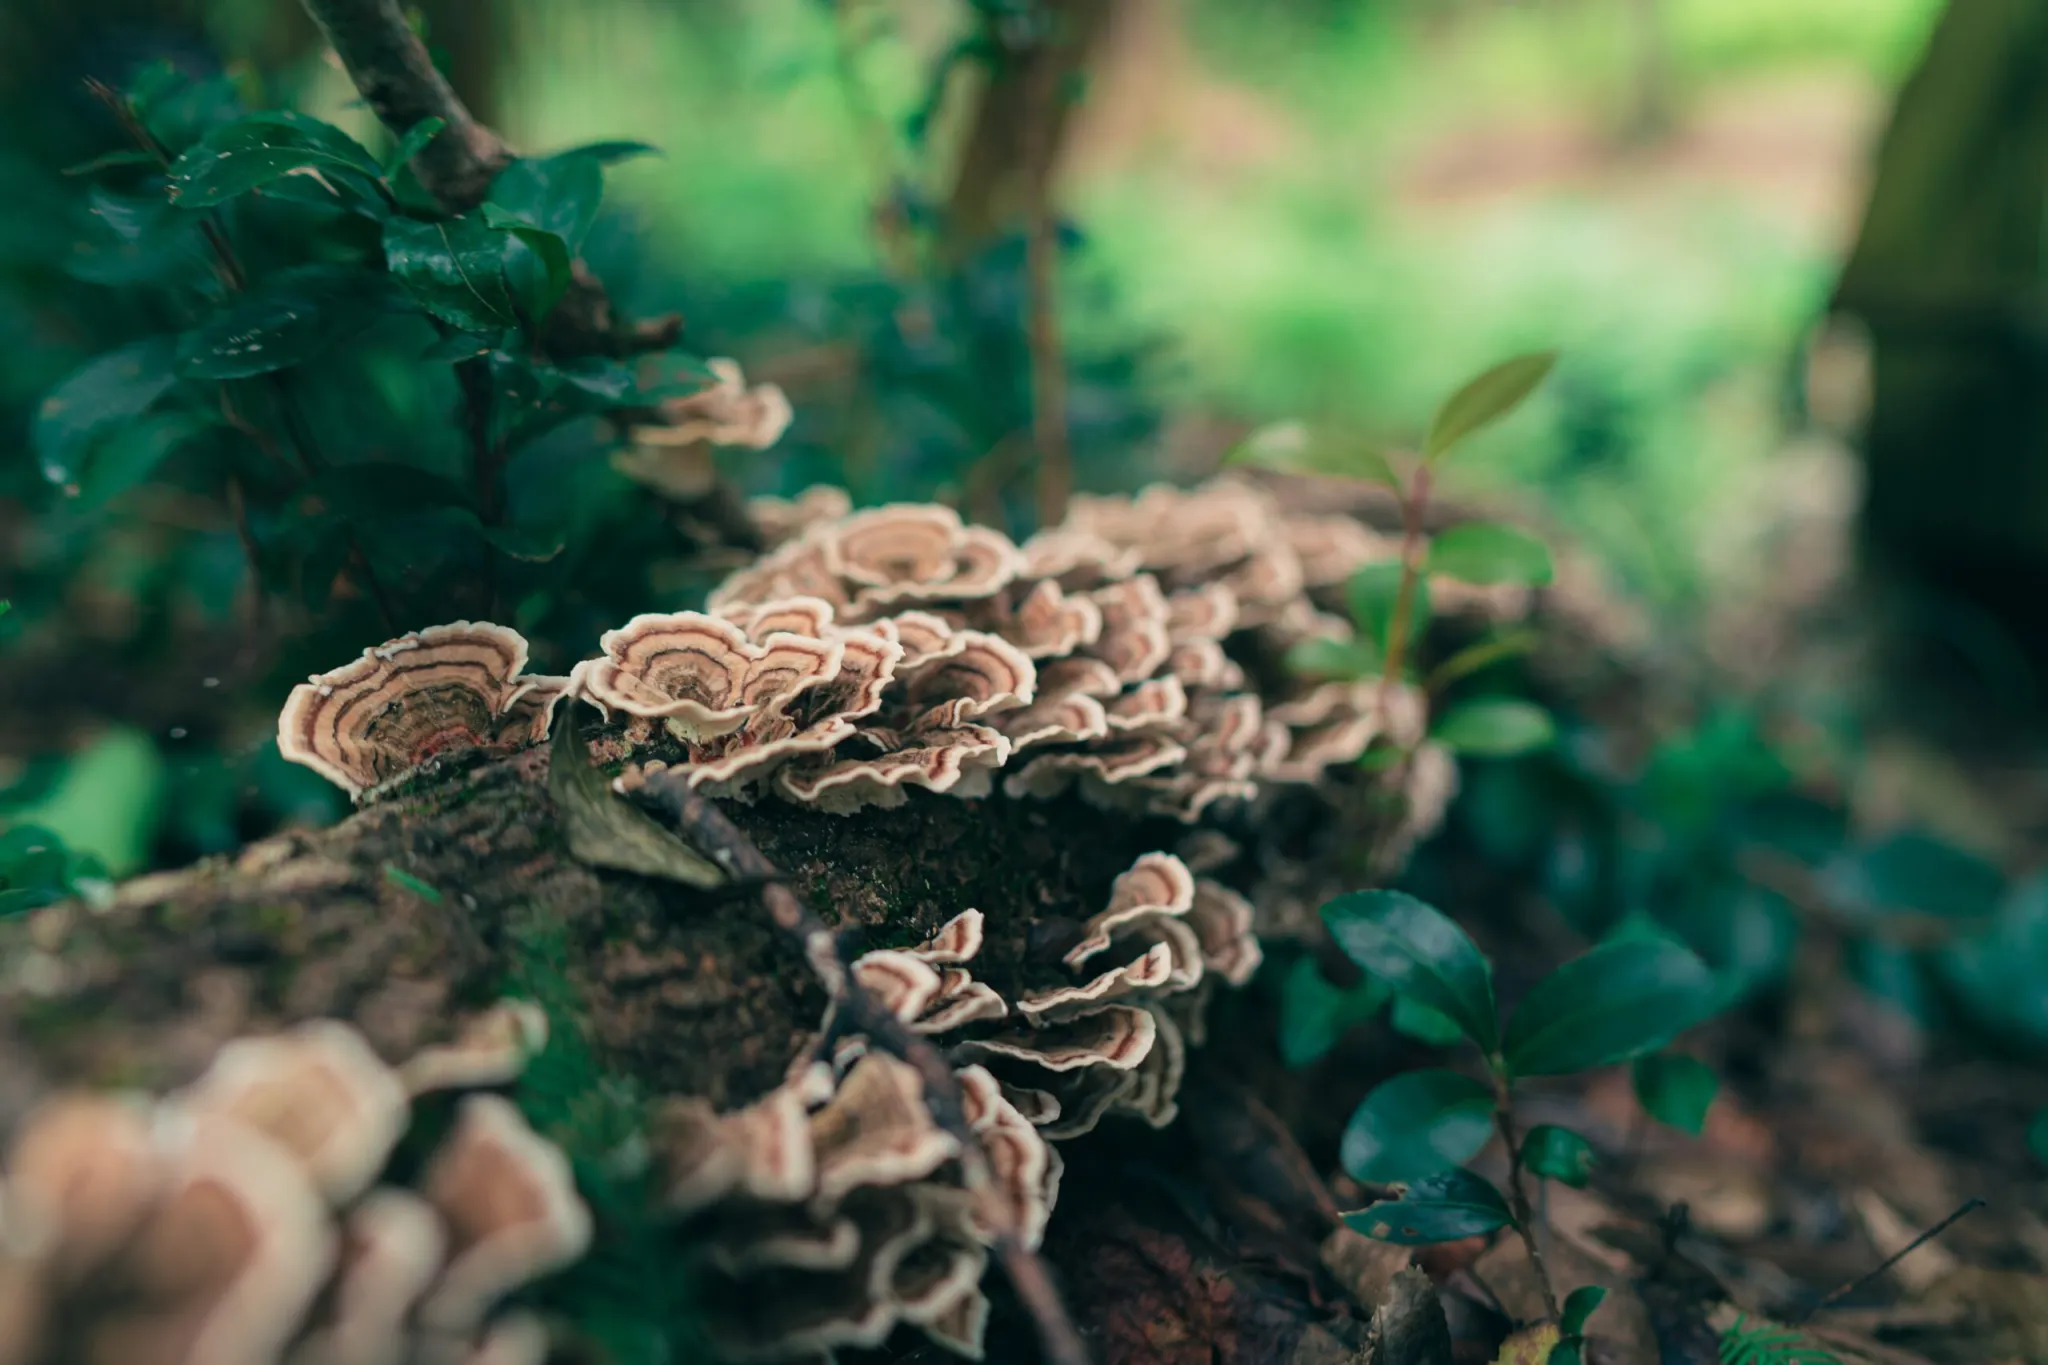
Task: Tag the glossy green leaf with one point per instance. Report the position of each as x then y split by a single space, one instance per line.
1675 1089
1994 973
1418 951
1496 727
285 321
256 149
559 193
413 143
1487 553
1619 1001
1914 871
1412 1019
1566 1351
130 454
1441 1208
1486 399
532 545
110 389
1418 1124
537 263
454 269
1333 659
1579 1307
1314 1014
1558 1154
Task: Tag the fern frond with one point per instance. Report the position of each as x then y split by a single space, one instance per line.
1759 1341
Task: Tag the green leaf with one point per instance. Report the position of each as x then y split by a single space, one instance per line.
1441 1208
104 391
1676 1089
1486 399
1915 871
1420 1123
1579 1307
1617 1002
558 194
258 148
1370 597
1558 1154
1323 658
1486 553
412 144
1418 951
398 876
1412 1019
129 455
532 545
381 489
1565 1352
455 269
1482 655
539 289
1496 727
286 321
1314 1014
1994 973
2037 1137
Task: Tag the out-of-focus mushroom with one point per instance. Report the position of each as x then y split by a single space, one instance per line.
797 569
392 1247
1207 611
727 413
1116 1037
1332 547
1043 621
1155 704
700 674
901 983
1154 1088
87 1166
810 617
1077 559
1224 734
762 1151
1222 921
511 1209
961 1001
1134 639
911 553
490 1048
445 688
226 1265
781 520
319 1092
1151 971
1337 721
515 1339
877 1130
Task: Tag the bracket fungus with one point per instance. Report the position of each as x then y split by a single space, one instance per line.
727 412
458 686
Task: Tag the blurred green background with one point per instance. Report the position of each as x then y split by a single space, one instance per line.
1318 210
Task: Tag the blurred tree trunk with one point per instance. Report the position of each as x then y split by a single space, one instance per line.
1024 112
1946 275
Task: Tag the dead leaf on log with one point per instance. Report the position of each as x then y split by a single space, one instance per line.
607 831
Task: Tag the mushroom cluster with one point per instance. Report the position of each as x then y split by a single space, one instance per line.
242 1220
832 1209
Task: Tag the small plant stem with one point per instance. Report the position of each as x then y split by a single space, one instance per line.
1518 1195
1414 500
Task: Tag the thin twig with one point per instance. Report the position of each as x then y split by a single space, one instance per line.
854 1009
1969 1206
1518 1199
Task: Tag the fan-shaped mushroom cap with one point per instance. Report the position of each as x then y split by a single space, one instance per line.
1151 971
1155 1083
877 1130
444 688
1202 663
1157 885
1116 1037
515 1339
956 759
727 413
763 1151
1191 531
319 1092
932 1282
961 1001
392 1245
909 553
1076 559
490 1048
798 569
810 617
225 1266
926 640
1072 719
700 674
511 1209
1222 921
1044 621
1153 704
1134 639
1337 721
901 983
784 519
984 675
958 940
1107 764
1079 676
85 1167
